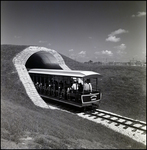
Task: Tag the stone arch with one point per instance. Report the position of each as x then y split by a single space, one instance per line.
20 61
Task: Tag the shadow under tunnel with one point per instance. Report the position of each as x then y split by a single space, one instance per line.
42 60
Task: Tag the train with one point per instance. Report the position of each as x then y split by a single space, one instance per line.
73 87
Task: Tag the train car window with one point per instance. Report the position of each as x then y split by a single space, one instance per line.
37 78
94 84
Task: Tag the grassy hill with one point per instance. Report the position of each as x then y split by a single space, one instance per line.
24 125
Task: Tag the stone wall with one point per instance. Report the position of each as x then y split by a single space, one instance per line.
19 62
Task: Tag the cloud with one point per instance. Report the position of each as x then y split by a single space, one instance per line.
133 15
82 54
49 44
121 52
42 41
90 37
104 52
107 52
113 39
70 50
112 36
119 31
121 49
71 54
139 14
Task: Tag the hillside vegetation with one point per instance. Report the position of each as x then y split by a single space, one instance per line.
24 125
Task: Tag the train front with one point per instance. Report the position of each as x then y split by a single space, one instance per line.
91 94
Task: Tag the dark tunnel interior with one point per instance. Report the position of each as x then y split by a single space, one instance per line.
42 60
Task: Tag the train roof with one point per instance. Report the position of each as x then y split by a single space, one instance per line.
73 73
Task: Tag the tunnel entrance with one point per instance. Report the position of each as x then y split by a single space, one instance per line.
36 57
42 60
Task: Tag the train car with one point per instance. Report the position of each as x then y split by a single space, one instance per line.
74 87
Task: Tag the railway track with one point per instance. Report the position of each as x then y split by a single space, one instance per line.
133 128
128 122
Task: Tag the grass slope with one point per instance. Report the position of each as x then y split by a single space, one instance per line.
23 125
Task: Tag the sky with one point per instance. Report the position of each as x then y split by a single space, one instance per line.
82 30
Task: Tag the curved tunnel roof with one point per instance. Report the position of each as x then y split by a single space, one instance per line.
43 60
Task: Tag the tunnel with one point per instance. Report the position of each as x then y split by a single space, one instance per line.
42 60
36 57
